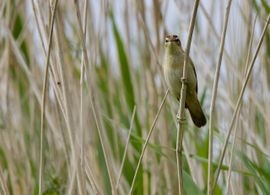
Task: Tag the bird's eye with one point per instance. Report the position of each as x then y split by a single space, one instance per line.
166 40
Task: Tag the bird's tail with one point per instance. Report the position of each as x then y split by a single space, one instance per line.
196 111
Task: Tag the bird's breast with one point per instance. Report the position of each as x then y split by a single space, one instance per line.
173 72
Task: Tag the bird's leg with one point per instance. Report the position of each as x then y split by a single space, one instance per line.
183 80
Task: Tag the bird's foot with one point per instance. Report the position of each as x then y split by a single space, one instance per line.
184 80
180 120
178 117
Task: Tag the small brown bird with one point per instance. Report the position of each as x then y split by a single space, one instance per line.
173 70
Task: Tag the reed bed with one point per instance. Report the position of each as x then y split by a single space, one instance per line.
84 108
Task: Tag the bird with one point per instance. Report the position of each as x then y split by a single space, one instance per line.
173 64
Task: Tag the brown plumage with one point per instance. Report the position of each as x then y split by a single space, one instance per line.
173 71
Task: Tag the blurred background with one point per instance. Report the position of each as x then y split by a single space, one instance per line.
105 87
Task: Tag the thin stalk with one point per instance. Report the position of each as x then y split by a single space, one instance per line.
239 101
181 109
34 86
100 135
231 156
146 141
93 106
38 25
82 163
233 146
57 93
126 147
3 184
214 96
65 106
84 63
44 101
91 178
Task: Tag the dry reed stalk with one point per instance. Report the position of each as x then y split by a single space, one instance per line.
147 141
214 96
238 114
126 147
181 109
44 99
239 100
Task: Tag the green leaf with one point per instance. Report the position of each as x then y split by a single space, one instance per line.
265 6
260 125
125 74
124 67
223 167
261 174
16 31
189 186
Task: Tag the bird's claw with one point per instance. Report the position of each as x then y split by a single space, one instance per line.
184 80
178 117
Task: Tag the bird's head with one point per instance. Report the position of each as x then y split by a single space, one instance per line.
173 43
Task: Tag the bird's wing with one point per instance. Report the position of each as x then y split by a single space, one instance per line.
194 74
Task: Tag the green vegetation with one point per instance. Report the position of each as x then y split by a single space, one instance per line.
105 87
